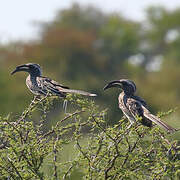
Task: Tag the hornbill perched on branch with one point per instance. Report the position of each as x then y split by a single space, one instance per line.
40 85
134 106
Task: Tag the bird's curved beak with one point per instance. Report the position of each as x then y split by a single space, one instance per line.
115 83
20 68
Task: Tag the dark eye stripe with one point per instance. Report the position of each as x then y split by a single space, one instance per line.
130 83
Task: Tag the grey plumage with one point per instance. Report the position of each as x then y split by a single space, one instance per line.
40 85
133 106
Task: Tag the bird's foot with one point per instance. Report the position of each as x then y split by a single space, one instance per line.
36 98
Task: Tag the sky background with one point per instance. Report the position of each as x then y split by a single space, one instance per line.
18 17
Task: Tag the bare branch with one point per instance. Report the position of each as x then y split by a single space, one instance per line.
55 159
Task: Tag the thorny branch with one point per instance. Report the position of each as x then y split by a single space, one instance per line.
58 123
80 149
66 174
30 108
112 162
130 149
55 158
102 157
14 167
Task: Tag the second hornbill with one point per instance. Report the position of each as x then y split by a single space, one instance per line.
40 85
134 106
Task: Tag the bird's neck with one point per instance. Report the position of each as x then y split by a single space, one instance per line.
32 77
128 93
35 73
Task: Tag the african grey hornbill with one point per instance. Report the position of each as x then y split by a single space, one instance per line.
40 85
134 106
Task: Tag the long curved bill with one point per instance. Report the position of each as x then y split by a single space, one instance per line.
23 67
115 83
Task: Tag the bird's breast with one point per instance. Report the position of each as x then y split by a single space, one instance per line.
122 100
32 85
123 106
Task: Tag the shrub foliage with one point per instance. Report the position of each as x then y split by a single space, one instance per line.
97 150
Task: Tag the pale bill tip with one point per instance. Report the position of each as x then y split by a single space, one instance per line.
93 95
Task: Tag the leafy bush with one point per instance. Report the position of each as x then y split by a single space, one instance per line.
96 150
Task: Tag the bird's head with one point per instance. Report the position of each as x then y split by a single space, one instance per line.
31 68
126 85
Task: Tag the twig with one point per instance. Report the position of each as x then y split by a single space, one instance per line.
99 148
4 145
10 161
55 159
129 151
104 130
65 175
19 132
83 153
29 109
67 117
112 162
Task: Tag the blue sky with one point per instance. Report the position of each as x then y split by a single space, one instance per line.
17 17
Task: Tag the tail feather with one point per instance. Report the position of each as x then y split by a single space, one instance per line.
76 92
158 121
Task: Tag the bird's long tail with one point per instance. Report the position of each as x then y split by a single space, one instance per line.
77 92
158 121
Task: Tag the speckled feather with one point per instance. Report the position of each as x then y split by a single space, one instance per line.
40 85
133 106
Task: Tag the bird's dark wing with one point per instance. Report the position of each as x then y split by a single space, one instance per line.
58 89
137 108
141 100
54 83
50 86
